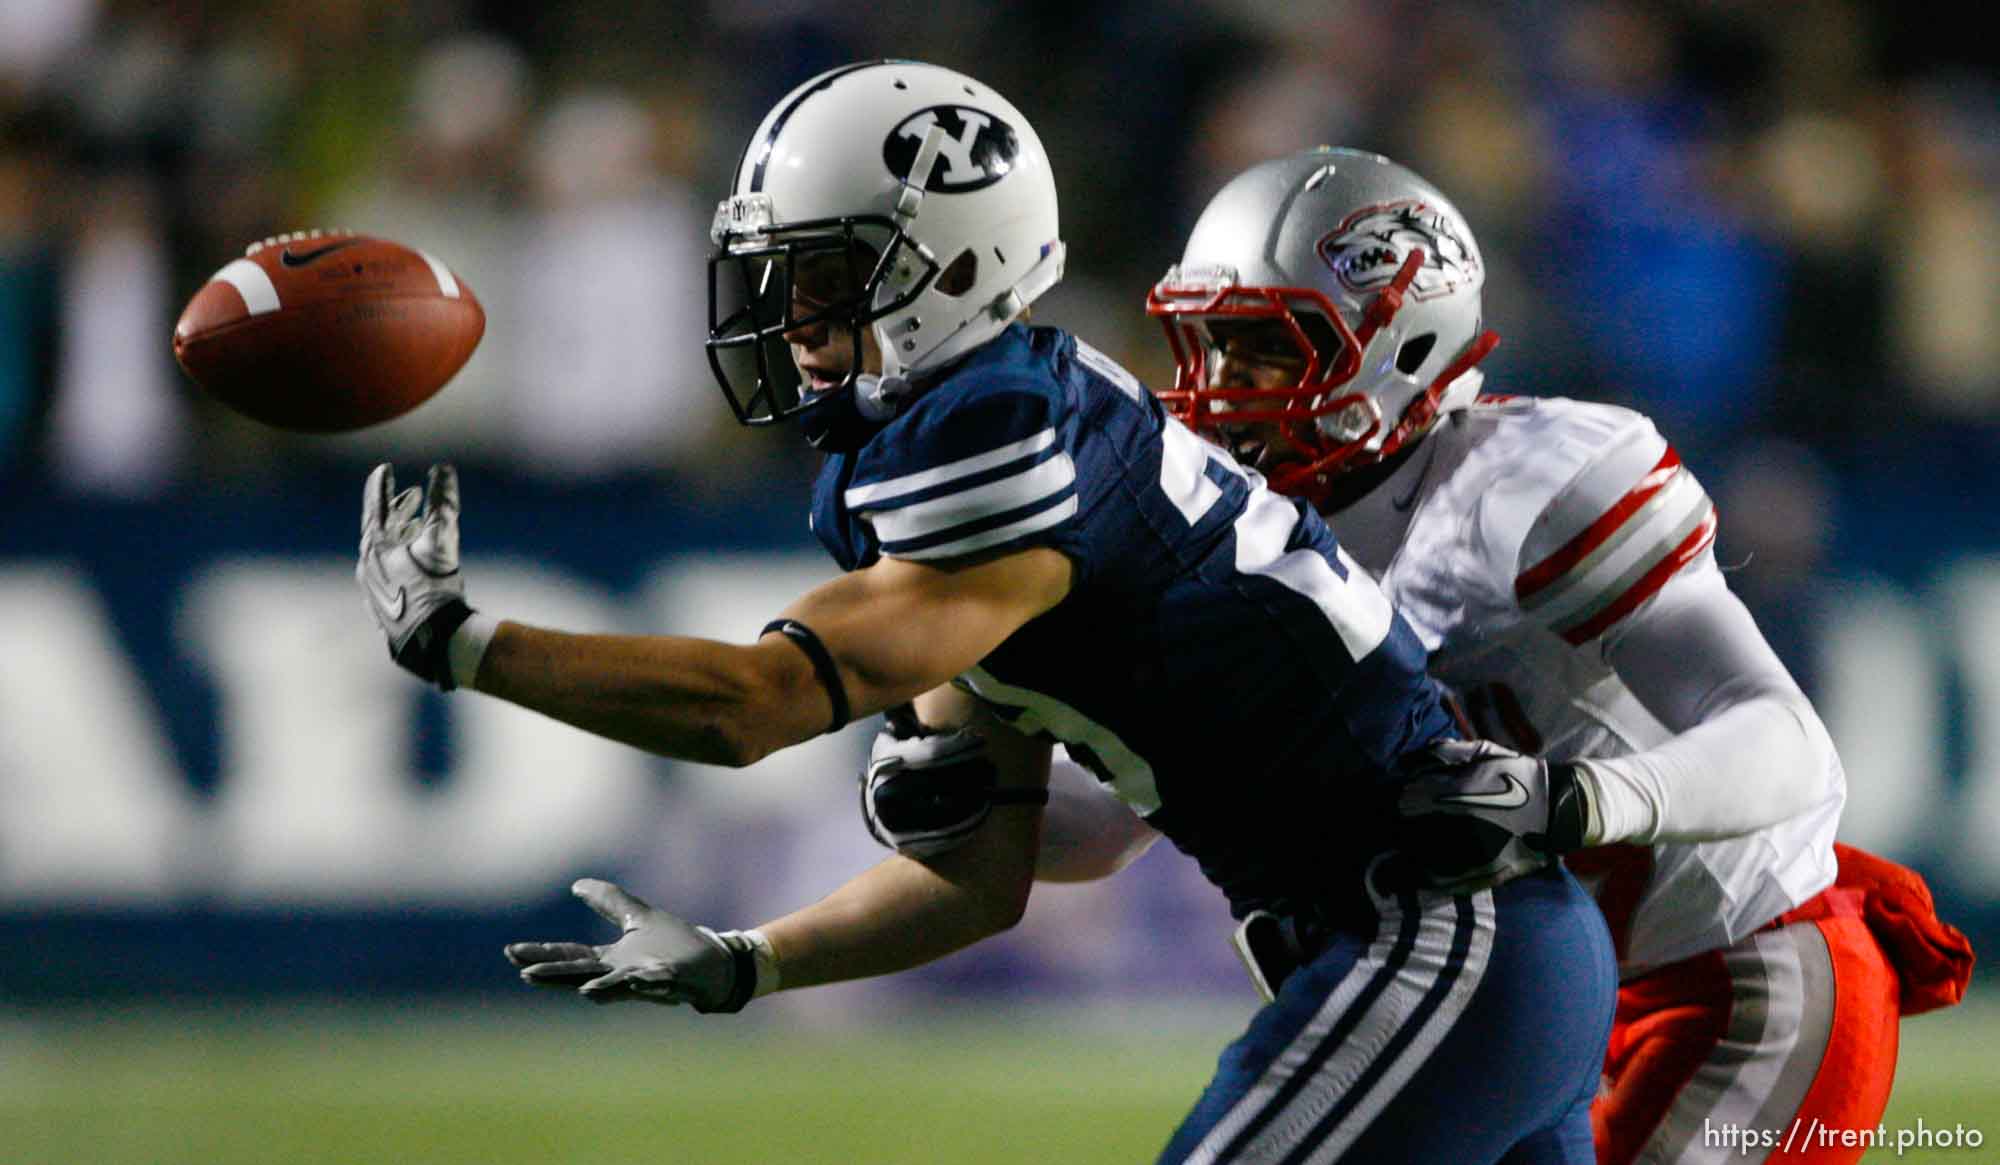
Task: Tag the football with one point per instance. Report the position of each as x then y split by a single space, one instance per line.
328 331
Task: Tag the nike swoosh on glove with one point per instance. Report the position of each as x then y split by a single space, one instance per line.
408 569
1473 814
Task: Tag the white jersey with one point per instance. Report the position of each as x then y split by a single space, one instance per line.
1521 541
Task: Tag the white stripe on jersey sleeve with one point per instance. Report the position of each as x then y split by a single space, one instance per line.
862 495
1054 515
940 514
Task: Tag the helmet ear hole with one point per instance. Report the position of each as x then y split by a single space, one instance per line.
958 278
1414 352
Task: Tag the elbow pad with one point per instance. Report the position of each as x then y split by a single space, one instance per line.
925 794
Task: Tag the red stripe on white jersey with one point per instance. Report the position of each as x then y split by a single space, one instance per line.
1623 557
1649 584
1565 559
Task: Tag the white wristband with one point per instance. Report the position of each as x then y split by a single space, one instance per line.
1619 809
467 646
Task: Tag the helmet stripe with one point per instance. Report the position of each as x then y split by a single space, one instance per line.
763 147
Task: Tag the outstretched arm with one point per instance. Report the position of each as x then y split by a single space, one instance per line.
900 914
889 632
892 631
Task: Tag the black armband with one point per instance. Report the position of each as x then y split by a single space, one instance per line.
822 661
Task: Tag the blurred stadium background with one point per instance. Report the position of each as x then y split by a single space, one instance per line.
253 885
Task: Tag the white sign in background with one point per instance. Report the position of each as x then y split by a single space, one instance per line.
318 798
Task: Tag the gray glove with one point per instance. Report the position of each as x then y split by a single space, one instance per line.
1475 814
409 568
659 959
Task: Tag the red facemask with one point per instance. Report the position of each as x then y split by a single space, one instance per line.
1339 431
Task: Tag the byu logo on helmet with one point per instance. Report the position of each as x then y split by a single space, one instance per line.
976 149
1367 249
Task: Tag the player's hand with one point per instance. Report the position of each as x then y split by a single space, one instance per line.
409 568
659 958
925 791
1474 814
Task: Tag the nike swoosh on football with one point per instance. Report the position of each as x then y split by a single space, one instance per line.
1514 796
304 257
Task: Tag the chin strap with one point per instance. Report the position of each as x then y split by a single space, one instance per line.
1046 273
912 194
1425 408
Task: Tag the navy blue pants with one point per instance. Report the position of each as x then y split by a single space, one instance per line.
1464 1030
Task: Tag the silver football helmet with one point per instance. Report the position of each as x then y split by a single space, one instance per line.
1375 280
891 195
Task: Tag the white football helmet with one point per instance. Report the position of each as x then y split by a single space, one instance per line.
1375 277
929 189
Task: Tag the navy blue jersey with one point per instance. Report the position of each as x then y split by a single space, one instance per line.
1219 661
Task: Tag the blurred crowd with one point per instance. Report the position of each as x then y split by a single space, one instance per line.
1774 226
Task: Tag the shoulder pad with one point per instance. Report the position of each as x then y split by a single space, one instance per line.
970 467
1610 537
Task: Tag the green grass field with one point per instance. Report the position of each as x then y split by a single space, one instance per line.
545 1084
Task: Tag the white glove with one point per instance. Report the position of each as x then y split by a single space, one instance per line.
1475 814
659 958
409 568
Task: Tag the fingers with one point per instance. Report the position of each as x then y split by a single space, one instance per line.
576 973
387 516
556 964
611 902
436 545
403 508
653 982
441 492
375 499
606 987
581 967
531 954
